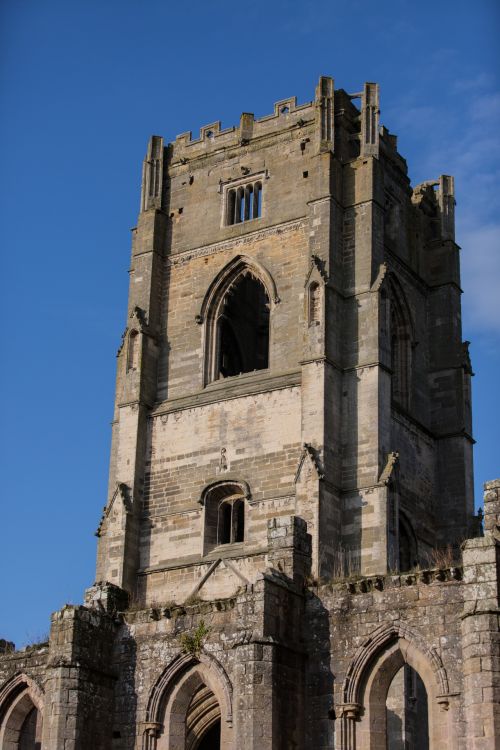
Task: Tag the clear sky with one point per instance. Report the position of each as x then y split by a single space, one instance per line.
83 84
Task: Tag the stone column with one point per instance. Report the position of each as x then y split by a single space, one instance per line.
481 630
348 715
79 689
256 699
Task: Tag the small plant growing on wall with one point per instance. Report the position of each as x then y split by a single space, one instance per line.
192 643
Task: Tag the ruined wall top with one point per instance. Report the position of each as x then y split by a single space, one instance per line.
492 506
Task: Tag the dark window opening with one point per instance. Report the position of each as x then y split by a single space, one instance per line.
225 518
244 203
211 740
239 514
224 515
401 355
29 736
231 362
243 329
231 522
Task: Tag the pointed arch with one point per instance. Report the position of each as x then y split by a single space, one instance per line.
380 639
362 714
401 338
188 699
21 702
227 276
235 315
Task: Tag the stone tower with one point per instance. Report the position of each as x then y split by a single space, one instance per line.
280 558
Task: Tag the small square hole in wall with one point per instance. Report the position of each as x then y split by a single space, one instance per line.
305 174
181 210
117 735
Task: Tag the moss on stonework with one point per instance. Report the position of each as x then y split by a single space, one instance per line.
193 643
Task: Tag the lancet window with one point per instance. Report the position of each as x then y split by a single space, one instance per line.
401 350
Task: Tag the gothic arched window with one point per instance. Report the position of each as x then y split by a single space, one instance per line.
243 328
401 349
21 716
236 319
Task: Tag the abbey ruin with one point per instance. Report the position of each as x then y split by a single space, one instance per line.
288 556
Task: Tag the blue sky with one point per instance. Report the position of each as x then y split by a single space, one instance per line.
83 85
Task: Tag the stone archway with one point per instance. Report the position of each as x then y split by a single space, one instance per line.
190 707
21 712
362 716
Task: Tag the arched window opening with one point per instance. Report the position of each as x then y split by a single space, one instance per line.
231 521
248 202
21 727
203 721
240 205
314 304
400 338
224 515
243 329
407 713
190 706
231 206
224 523
257 200
407 546
133 350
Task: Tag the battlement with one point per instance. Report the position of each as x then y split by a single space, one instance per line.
287 113
330 123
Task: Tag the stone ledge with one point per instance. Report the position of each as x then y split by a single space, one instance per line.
367 584
247 384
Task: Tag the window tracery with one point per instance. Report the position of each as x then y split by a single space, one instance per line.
236 319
